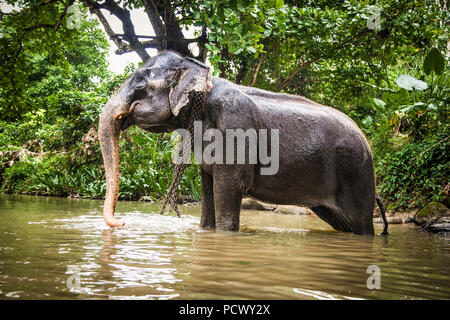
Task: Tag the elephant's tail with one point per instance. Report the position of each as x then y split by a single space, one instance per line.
383 215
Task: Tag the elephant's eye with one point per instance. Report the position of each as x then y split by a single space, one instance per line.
140 82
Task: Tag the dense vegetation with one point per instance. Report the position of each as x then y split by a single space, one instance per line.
391 77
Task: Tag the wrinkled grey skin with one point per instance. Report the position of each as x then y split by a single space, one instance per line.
325 161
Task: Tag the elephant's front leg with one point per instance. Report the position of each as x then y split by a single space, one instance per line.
208 220
228 182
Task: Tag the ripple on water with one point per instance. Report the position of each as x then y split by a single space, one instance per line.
134 221
134 262
319 295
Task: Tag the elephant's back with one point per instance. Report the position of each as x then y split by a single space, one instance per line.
306 128
299 106
313 125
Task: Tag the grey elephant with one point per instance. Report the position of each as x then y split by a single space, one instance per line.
325 162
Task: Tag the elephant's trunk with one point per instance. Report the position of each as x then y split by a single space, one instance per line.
109 132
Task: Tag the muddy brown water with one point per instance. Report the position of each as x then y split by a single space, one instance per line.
48 244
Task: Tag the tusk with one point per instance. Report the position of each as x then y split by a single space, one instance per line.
120 115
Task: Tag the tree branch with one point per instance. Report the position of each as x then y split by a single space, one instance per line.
167 38
125 48
56 25
112 36
165 24
153 15
155 44
128 28
306 64
202 40
255 70
434 145
172 29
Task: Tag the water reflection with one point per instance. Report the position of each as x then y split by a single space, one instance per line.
135 269
164 257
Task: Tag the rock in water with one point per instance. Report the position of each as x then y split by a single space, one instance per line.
287 209
390 220
251 204
432 212
440 227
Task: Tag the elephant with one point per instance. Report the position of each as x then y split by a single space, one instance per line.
324 160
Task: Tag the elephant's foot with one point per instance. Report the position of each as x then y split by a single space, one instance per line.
208 226
228 222
113 222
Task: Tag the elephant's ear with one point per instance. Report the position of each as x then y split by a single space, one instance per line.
193 76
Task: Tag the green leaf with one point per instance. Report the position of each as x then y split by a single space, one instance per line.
237 50
279 4
408 82
434 61
367 121
271 3
379 103
409 108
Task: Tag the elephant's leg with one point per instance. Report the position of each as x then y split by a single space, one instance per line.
347 217
228 182
208 219
364 227
355 200
358 206
333 217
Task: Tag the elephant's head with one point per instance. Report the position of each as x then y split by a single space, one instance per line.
150 98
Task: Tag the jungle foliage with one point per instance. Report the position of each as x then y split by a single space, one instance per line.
390 75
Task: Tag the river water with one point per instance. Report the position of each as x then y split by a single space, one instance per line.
54 248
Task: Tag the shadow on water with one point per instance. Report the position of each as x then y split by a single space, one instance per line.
43 240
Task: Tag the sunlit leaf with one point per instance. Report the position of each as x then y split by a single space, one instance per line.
279 4
367 121
379 103
408 82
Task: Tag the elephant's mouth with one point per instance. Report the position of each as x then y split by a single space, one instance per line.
125 117
159 128
126 123
169 125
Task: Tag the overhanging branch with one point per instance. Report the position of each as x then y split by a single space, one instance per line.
154 16
128 28
165 23
166 38
125 48
112 36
